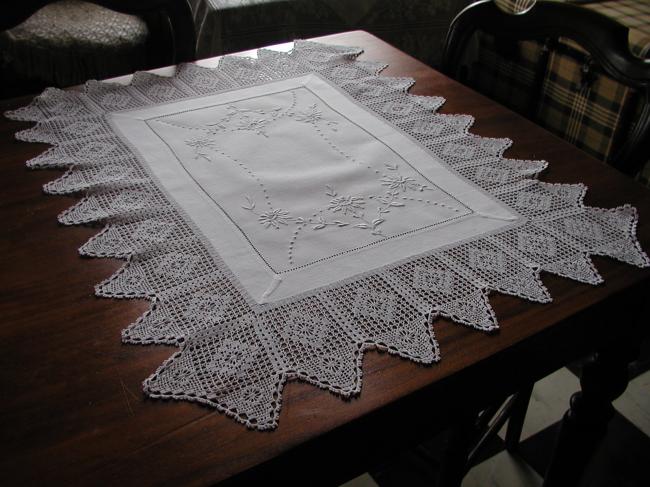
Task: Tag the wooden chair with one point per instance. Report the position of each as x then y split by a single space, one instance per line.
69 41
569 69
530 54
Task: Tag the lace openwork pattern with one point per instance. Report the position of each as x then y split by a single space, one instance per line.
235 354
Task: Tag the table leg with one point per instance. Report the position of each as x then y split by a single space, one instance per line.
603 379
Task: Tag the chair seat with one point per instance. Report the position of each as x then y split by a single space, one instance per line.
69 41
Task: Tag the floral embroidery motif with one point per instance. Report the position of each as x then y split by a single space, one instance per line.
252 396
351 209
346 204
492 174
130 200
116 100
81 128
583 228
487 260
536 244
306 329
375 305
257 121
112 173
427 127
160 324
397 108
160 91
402 183
350 206
533 201
131 281
313 115
409 337
275 218
154 231
177 265
96 149
459 150
436 280
246 119
182 375
67 108
331 364
232 358
208 307
201 145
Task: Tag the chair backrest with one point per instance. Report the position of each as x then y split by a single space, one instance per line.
559 55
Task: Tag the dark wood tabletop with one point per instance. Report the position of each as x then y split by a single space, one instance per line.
73 412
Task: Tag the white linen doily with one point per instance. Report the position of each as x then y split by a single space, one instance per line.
284 214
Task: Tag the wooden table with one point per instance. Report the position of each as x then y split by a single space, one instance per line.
72 409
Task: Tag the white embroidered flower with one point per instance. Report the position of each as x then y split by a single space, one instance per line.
311 115
202 146
274 218
256 125
400 182
346 204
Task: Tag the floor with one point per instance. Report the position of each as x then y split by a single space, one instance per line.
622 459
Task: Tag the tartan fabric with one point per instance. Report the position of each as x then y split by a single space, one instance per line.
590 112
507 73
547 84
634 14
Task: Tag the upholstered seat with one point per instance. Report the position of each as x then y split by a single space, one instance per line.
66 42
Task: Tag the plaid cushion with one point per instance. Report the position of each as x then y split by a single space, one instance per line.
549 84
634 14
589 109
507 73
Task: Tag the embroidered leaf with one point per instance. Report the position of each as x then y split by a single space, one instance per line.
378 221
300 220
250 204
396 203
383 210
391 167
330 191
319 226
362 225
340 223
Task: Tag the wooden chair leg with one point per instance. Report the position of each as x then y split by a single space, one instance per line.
459 444
604 378
517 417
